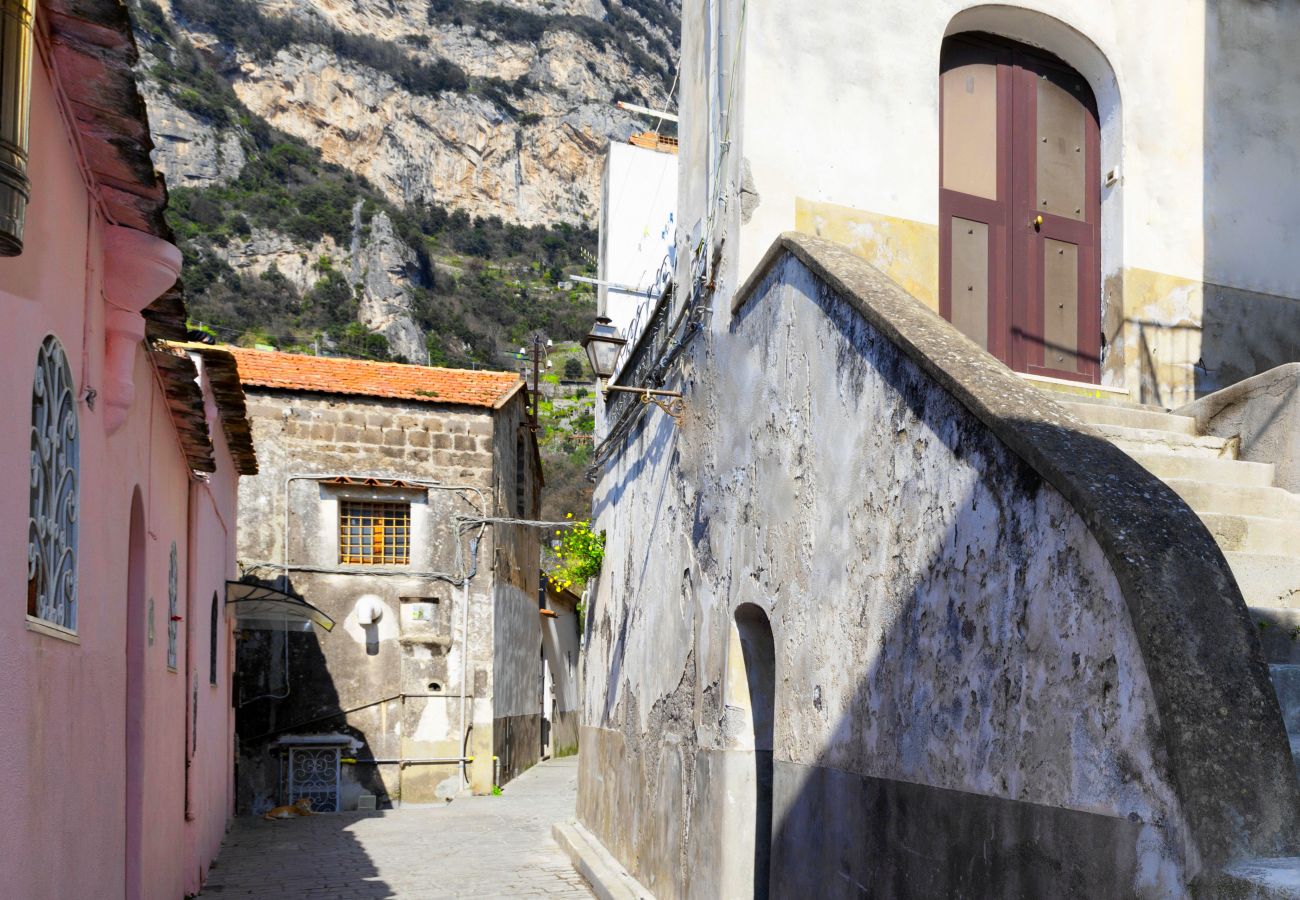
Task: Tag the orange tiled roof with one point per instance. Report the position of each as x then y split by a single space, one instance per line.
329 375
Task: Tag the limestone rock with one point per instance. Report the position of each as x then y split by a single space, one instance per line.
377 263
535 163
385 268
187 150
265 249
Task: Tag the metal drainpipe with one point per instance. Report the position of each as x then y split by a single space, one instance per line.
464 667
423 761
191 592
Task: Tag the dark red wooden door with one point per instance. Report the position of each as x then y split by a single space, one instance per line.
1020 207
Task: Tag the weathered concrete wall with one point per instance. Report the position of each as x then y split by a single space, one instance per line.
561 647
398 680
990 659
516 634
1201 127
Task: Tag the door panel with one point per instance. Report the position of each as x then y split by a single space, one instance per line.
1056 328
975 192
1060 174
970 108
1061 305
970 279
1019 206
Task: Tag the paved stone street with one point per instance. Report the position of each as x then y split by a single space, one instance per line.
473 847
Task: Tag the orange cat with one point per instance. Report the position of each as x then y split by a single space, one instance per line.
300 807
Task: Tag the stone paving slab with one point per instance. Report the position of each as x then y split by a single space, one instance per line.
474 847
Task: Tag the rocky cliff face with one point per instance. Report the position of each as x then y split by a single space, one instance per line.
383 267
497 109
189 151
536 162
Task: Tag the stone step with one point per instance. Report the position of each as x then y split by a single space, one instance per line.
1131 417
1237 500
1107 399
1286 684
1196 468
1274 878
1265 579
1279 633
1140 439
1254 534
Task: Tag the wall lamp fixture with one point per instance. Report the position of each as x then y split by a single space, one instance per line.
603 344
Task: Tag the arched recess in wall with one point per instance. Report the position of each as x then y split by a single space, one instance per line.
752 690
1071 46
136 626
214 625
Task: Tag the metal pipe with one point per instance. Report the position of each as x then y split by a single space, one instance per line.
403 762
273 695
636 390
464 667
16 51
342 713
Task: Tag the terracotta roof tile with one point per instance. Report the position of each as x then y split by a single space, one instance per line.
330 375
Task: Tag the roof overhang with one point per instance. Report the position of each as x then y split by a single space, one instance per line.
258 606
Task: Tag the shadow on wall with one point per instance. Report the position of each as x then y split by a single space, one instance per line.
1251 191
935 778
651 439
290 857
285 688
1001 741
1002 707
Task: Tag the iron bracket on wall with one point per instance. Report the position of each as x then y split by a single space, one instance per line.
674 404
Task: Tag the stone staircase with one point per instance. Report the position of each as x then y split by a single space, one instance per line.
1257 525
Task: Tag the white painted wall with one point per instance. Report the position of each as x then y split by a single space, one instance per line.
561 646
844 107
637 228
1200 108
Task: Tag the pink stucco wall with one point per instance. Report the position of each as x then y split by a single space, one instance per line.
63 735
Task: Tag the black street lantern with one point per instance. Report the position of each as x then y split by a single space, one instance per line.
603 344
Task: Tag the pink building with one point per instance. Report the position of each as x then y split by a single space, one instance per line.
117 504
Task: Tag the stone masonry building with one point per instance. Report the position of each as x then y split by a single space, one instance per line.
375 482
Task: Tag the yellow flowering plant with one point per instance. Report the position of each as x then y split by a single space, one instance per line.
581 552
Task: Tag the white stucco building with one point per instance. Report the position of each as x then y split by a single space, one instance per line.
638 228
928 592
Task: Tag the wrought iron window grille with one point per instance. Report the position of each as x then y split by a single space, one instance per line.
55 490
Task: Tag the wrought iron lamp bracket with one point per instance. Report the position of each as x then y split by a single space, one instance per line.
670 402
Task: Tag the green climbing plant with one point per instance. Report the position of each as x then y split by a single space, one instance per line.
580 552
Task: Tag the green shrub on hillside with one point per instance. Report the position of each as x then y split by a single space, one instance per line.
620 30
241 24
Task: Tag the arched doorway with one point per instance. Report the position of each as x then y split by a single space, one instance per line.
136 626
757 695
1020 206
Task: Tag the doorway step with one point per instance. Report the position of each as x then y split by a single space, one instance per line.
1257 526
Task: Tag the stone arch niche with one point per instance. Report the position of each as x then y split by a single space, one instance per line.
751 708
1059 38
